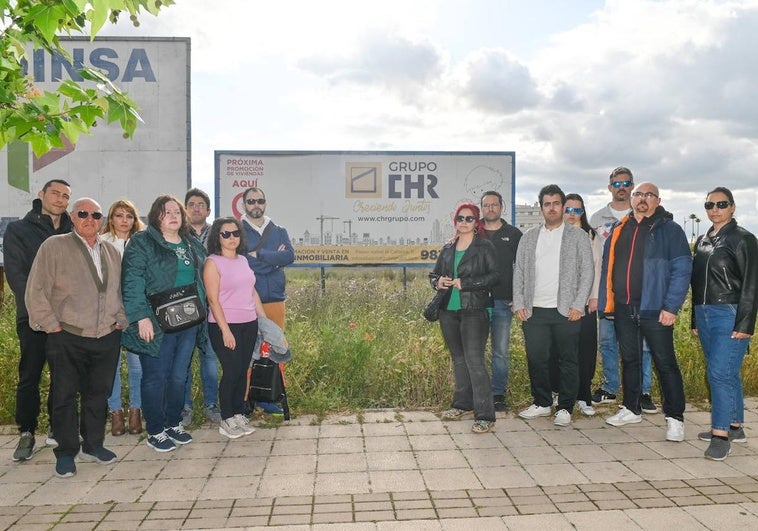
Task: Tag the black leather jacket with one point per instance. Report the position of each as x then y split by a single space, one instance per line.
725 271
477 270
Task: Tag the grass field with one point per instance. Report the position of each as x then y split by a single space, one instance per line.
362 343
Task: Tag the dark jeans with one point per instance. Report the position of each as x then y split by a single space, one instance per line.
631 329
84 369
234 364
545 328
30 367
587 358
465 333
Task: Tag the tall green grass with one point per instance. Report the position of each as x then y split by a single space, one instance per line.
362 343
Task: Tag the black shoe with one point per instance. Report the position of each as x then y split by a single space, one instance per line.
601 396
25 447
500 404
647 405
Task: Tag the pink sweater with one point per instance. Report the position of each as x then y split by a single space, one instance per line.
235 289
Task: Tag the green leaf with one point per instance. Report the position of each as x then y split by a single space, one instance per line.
40 142
71 130
47 21
73 90
98 15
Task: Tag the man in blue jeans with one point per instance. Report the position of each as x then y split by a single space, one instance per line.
198 206
621 182
505 238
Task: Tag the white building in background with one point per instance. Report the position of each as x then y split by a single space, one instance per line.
528 216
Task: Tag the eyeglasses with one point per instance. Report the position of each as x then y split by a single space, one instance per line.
82 214
467 219
619 184
490 205
646 195
229 233
261 201
722 205
199 204
574 210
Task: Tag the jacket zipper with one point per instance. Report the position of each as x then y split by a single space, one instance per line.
629 266
726 277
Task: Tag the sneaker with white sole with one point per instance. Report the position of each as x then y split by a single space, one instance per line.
243 424
675 430
623 417
100 455
735 435
160 442
562 418
601 396
585 408
718 450
178 435
534 411
647 405
555 399
229 428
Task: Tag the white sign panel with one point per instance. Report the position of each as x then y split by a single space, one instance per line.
379 200
155 72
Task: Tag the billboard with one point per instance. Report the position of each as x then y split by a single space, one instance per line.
364 207
155 72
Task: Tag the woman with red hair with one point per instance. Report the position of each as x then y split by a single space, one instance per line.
467 269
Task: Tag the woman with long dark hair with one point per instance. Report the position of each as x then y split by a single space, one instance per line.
233 321
164 256
724 302
467 268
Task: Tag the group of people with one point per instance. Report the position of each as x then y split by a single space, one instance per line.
84 285
629 270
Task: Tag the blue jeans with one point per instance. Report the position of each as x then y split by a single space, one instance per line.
609 355
135 381
723 358
208 377
465 333
164 378
500 332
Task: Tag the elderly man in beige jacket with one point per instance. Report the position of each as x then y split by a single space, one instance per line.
74 295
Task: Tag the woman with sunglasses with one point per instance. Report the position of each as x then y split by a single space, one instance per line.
159 259
121 224
724 290
575 214
467 269
233 321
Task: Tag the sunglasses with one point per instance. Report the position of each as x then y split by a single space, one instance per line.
261 201
229 233
467 219
619 184
646 195
722 205
574 210
82 214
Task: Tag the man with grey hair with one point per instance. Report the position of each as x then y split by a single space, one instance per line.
74 296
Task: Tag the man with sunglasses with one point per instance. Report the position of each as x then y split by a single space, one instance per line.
198 205
645 278
74 296
269 251
505 237
22 240
620 186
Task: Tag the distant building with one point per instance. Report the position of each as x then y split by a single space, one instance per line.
528 216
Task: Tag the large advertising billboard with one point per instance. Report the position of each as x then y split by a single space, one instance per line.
364 207
155 72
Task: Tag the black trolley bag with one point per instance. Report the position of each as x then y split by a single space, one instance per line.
267 385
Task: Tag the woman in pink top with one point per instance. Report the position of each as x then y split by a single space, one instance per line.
233 321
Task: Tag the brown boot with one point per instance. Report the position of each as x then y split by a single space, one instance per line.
117 422
135 421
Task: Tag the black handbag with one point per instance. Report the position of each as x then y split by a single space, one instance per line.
432 310
267 385
177 309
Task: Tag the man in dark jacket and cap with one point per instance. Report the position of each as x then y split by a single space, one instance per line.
21 242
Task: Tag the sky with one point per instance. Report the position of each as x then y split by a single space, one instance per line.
665 88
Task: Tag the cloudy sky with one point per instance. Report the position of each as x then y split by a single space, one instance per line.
575 88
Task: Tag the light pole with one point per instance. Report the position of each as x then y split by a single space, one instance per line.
693 217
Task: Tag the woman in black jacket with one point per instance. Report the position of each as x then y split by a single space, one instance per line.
466 267
724 289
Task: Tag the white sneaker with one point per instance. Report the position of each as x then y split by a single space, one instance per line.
555 399
585 408
562 418
623 417
675 431
229 428
242 423
534 411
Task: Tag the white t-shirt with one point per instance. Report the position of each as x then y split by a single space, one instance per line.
547 258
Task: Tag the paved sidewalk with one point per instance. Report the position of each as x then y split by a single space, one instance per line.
388 470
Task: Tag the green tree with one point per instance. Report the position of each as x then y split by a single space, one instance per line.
42 119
